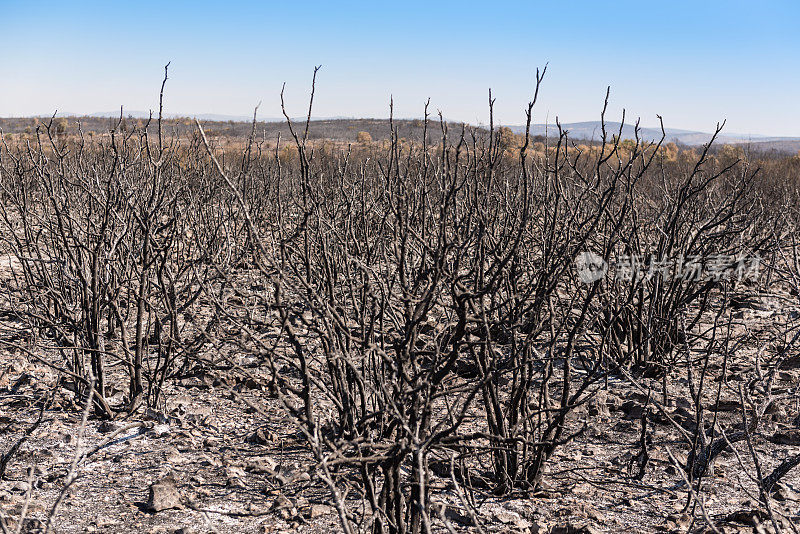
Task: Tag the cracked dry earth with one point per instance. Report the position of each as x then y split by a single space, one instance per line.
220 456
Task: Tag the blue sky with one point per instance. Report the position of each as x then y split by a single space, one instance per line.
692 62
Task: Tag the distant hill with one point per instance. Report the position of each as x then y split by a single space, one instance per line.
346 129
146 114
213 117
337 129
776 146
592 131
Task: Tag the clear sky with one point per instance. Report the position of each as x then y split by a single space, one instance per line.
692 62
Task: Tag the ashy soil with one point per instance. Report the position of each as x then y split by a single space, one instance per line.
220 455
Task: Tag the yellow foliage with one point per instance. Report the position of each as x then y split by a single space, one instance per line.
288 154
731 152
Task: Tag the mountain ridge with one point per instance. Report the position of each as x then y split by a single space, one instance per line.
592 130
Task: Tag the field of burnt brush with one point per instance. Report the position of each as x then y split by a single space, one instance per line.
470 331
